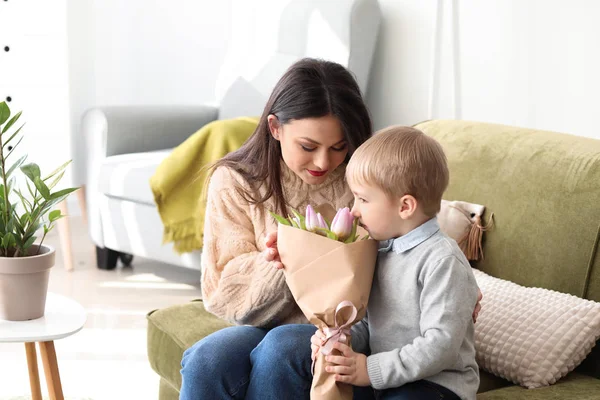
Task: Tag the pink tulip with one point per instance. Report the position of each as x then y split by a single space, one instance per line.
314 220
311 220
322 222
342 223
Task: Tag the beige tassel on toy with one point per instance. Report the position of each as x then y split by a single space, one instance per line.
471 243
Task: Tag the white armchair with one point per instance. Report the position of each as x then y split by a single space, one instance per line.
126 144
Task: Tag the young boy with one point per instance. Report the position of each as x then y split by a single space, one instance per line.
416 341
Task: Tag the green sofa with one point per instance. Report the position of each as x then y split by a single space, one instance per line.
544 191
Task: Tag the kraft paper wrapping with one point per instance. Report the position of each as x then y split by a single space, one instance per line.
322 273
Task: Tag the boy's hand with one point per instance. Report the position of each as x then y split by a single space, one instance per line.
271 253
350 367
316 341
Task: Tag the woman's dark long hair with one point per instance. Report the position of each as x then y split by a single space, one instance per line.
310 88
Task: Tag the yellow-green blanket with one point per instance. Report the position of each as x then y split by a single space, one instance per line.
179 181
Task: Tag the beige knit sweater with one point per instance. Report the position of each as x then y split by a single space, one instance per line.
238 285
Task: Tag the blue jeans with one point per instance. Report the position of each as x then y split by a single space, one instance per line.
244 362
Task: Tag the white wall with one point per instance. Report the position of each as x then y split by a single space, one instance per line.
33 73
138 52
528 63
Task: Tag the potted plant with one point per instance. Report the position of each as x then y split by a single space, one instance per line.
26 213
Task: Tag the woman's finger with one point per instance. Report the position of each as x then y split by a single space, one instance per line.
271 254
319 333
271 239
278 265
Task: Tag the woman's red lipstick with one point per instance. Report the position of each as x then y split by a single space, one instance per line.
316 173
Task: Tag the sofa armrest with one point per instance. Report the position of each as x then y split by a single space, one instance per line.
109 131
574 387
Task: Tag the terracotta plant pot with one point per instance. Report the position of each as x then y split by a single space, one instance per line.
24 284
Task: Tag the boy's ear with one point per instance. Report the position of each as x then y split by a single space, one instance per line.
407 206
274 126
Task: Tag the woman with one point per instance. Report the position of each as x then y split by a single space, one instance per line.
313 121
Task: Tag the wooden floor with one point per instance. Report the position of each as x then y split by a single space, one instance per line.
107 359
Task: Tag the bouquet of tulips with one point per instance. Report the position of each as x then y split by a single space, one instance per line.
343 227
329 270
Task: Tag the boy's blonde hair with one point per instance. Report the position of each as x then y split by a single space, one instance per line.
402 160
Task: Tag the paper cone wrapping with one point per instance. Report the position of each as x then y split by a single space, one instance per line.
322 273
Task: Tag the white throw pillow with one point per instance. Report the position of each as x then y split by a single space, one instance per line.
532 336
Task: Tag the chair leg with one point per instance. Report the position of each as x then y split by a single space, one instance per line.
64 232
106 258
82 203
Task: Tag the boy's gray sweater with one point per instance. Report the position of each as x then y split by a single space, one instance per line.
419 318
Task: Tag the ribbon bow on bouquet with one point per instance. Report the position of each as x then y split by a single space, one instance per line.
339 333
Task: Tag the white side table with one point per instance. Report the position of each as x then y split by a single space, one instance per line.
63 317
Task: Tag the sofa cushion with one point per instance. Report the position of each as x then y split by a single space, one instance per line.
574 386
532 336
127 176
174 329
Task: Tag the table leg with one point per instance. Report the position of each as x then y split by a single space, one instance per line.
34 376
51 370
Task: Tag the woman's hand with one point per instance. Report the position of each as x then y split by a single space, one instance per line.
271 252
316 341
478 305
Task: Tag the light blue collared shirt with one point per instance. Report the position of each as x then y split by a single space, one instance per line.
412 239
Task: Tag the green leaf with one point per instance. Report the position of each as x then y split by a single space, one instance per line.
11 122
26 203
29 242
280 219
33 195
55 181
57 170
18 224
62 193
32 171
25 218
352 237
54 215
6 142
17 164
301 218
328 233
8 240
365 238
4 112
293 222
13 149
10 226
41 187
332 235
